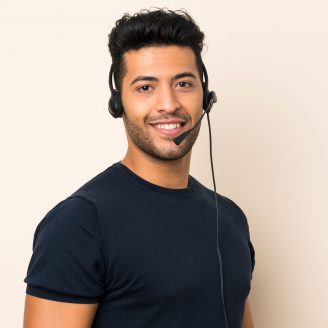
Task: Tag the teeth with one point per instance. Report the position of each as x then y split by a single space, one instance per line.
168 126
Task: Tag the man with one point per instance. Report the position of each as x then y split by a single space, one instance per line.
136 246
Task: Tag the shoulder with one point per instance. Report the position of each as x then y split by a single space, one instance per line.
105 183
83 209
231 206
227 206
68 218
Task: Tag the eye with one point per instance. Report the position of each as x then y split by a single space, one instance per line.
144 88
184 84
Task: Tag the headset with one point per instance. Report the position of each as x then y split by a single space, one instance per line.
115 106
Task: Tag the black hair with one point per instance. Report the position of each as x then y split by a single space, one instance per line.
147 28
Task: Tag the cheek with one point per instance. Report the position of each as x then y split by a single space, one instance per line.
133 109
191 99
193 104
136 105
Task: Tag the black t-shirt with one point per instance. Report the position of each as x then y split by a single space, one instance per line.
146 253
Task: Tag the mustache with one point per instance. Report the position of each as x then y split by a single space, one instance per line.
164 116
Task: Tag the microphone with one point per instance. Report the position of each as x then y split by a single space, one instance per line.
185 134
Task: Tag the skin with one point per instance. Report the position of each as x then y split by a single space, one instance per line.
248 318
164 94
42 313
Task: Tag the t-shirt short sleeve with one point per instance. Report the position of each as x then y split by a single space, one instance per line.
67 263
247 234
252 254
250 245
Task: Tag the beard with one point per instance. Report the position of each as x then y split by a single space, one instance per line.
144 141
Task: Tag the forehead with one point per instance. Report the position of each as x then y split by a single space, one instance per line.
159 61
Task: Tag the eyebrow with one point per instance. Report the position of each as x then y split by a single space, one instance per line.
153 78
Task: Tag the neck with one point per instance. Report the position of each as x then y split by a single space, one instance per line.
169 174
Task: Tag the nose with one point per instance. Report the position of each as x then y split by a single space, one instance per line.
167 100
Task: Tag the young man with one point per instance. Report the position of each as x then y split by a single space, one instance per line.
136 246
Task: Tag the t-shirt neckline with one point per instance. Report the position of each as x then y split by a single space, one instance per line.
151 186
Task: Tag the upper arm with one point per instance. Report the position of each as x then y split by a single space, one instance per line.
63 287
67 264
43 313
248 319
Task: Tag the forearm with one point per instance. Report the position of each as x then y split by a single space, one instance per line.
248 319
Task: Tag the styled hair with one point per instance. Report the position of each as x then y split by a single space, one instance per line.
160 27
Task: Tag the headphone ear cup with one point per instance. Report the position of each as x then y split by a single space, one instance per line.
208 101
115 105
209 97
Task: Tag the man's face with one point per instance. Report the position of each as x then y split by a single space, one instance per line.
162 97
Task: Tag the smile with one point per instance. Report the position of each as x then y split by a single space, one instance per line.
169 129
169 126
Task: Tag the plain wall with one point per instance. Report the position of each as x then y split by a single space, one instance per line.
267 61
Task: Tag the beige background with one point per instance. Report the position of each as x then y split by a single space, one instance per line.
267 61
